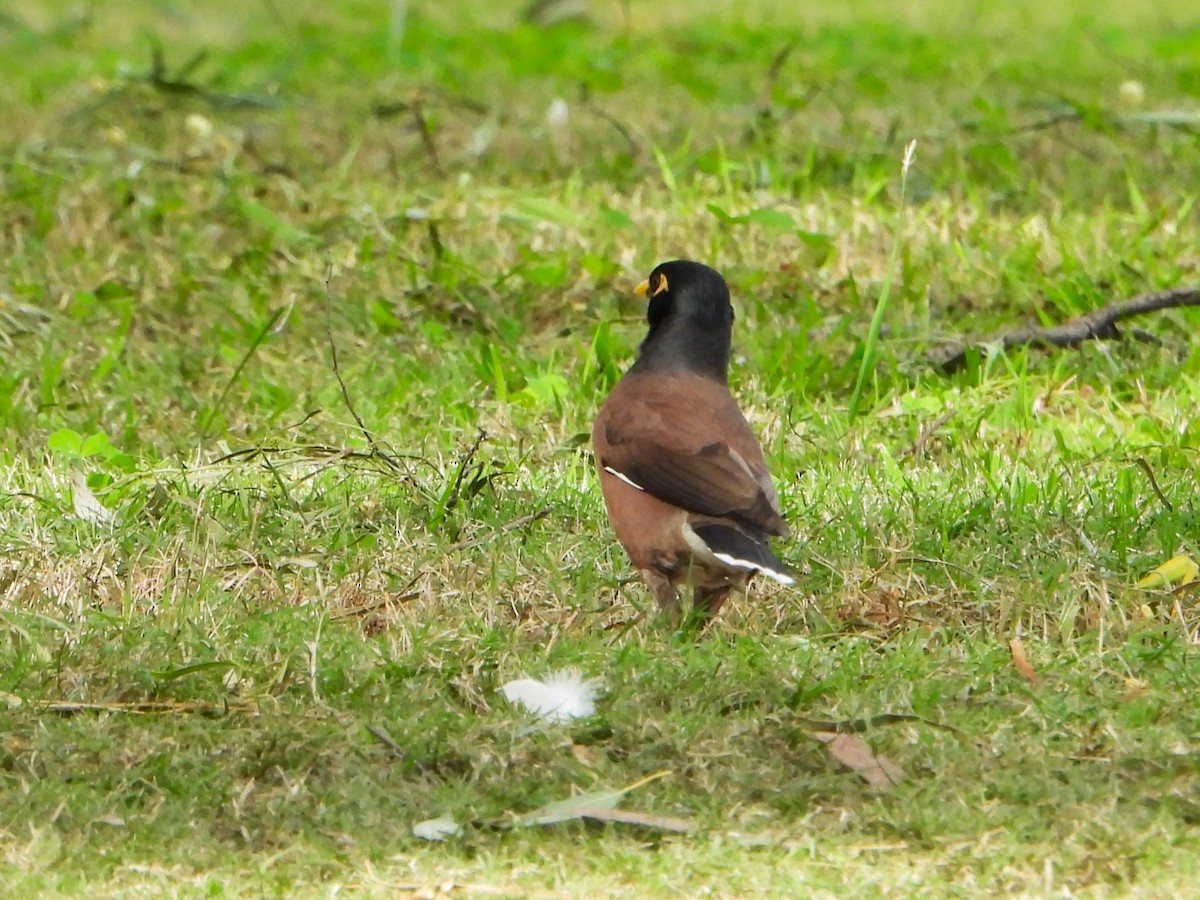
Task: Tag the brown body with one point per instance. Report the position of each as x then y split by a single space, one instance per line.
680 437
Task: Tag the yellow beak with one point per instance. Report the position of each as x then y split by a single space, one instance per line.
643 289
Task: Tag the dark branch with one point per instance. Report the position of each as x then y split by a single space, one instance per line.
1100 324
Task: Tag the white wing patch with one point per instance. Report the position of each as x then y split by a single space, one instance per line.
746 564
697 545
629 481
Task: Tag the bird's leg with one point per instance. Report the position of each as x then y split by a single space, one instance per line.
706 603
666 593
710 600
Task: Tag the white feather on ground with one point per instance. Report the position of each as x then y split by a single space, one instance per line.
436 829
564 695
87 507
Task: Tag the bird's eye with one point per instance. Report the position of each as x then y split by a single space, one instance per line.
658 285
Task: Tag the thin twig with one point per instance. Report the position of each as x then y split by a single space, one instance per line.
402 596
1145 467
279 19
509 526
317 451
337 373
1183 119
386 739
851 726
1100 324
776 68
179 85
426 133
199 58
435 240
386 109
266 460
1048 122
635 147
389 600
464 465
924 437
141 707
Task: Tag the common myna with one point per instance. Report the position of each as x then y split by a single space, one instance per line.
684 480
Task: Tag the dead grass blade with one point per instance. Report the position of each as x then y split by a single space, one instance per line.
599 805
645 820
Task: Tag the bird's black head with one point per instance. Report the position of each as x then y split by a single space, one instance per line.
691 319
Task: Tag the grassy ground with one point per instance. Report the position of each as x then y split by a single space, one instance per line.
278 644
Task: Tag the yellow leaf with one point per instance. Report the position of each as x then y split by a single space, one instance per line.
1176 570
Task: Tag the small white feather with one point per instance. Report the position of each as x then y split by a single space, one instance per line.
629 481
563 696
436 829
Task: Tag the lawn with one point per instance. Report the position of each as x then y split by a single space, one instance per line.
305 312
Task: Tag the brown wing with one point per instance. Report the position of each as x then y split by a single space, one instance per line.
682 439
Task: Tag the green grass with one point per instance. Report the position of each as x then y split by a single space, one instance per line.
285 648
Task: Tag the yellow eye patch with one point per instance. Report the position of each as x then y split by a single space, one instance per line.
644 289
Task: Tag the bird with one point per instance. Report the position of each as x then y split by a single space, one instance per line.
685 484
